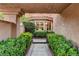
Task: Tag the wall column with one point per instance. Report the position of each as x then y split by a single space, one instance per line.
18 26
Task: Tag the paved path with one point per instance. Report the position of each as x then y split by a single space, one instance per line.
39 49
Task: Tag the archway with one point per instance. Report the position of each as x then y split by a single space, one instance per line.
42 22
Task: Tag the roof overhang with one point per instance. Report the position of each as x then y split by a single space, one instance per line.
37 7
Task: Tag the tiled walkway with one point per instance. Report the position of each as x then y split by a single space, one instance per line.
39 49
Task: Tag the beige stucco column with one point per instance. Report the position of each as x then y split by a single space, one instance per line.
51 25
18 23
44 25
18 26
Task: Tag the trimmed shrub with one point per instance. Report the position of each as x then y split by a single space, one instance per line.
15 47
61 46
29 26
40 34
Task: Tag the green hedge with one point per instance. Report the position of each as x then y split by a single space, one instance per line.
15 47
60 46
40 34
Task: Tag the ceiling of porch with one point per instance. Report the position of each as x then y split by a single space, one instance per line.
37 7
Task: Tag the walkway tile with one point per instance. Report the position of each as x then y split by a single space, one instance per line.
39 40
39 50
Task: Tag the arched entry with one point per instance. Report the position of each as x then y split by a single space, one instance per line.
42 22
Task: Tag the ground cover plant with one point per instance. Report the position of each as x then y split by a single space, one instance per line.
15 47
60 46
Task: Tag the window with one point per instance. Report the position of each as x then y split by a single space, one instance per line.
42 24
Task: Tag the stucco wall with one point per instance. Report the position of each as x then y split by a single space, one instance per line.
13 30
5 30
9 18
67 23
22 29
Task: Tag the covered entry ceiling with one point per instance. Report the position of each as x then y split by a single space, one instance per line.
38 7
